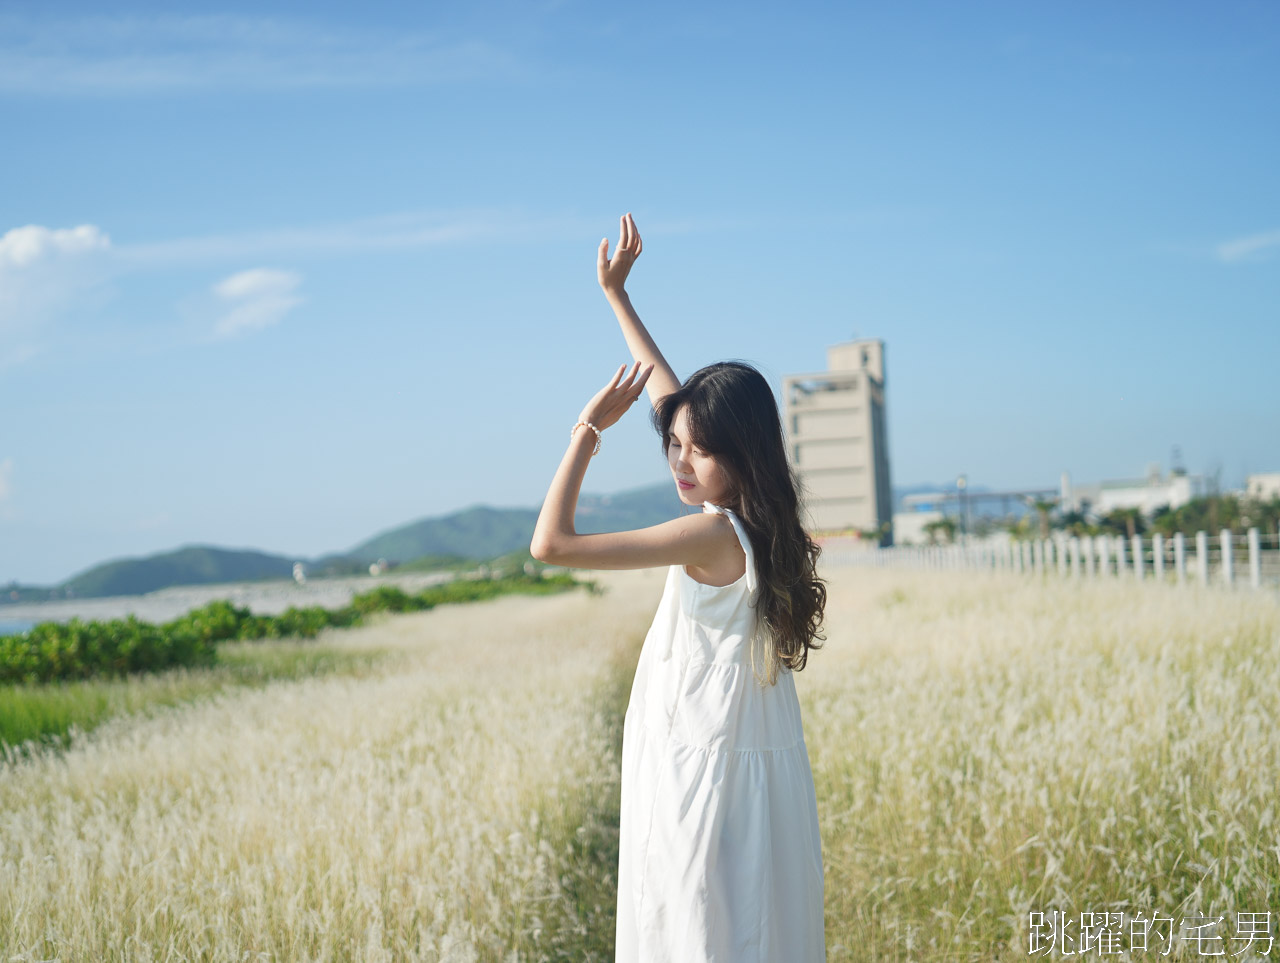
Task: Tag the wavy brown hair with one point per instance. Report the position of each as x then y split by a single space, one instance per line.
733 416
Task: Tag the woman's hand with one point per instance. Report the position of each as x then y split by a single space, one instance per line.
613 273
612 401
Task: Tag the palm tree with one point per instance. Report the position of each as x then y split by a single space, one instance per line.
1075 523
1044 506
1125 520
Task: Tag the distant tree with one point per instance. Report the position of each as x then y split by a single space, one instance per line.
1165 521
1044 507
946 525
1077 524
1124 521
877 534
1266 514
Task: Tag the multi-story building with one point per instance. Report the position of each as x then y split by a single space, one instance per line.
1146 494
837 439
1263 485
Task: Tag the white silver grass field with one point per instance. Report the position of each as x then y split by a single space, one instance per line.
989 746
984 747
419 814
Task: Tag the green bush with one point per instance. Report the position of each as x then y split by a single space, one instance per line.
388 598
79 650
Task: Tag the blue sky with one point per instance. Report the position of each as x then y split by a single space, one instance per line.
282 276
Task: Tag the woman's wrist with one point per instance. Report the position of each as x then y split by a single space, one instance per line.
588 429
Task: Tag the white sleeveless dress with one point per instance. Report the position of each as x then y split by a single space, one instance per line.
720 858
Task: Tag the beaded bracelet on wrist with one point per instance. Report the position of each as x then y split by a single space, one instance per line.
574 430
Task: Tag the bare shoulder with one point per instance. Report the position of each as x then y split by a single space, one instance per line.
726 562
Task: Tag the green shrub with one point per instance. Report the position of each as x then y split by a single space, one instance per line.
79 650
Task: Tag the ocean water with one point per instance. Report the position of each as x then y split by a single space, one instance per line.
14 626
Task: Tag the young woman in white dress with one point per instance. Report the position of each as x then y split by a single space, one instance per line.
719 856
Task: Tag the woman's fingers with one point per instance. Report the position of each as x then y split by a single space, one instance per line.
638 387
635 236
625 386
602 258
634 389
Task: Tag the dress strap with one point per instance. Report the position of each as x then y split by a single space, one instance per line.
743 539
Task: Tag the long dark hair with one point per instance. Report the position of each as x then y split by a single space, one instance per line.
733 416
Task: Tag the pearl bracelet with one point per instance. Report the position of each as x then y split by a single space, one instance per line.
574 430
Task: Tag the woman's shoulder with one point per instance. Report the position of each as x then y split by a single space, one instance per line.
731 561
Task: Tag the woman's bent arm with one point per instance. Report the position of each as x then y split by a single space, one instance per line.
690 540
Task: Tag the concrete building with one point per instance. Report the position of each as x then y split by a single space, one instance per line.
836 436
1174 489
1263 486
909 527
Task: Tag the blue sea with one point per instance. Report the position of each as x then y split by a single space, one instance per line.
14 626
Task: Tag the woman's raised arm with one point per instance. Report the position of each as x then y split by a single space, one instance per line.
612 274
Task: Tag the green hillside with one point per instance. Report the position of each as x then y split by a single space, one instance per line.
636 508
483 532
474 534
193 565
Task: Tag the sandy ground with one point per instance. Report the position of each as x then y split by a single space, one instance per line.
261 598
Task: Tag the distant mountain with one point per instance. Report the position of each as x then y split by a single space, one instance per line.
477 533
635 508
193 565
483 532
473 534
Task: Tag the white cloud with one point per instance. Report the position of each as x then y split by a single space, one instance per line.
22 247
112 55
44 271
6 473
259 297
49 274
1248 248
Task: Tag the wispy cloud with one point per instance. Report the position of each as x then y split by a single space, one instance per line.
115 55
391 232
1251 248
257 298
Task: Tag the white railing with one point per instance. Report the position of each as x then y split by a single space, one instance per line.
1224 560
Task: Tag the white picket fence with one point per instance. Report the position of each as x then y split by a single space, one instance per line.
1225 560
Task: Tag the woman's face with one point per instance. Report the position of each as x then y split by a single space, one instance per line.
698 476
